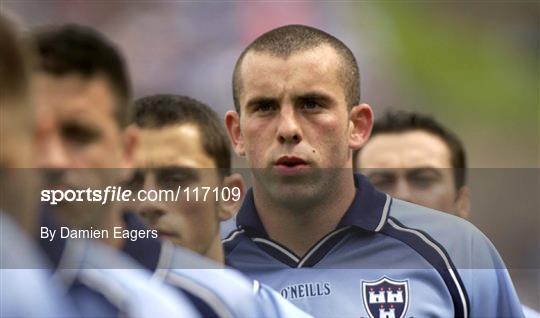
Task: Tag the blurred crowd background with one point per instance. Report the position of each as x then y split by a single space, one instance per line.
472 65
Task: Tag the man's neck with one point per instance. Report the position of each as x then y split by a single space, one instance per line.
112 220
300 230
215 251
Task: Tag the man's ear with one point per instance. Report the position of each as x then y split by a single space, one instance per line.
232 122
130 141
463 202
227 209
361 122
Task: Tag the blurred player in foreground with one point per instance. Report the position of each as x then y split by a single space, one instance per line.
82 92
323 237
181 142
413 157
24 271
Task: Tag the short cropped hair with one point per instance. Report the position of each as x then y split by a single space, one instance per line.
14 68
159 111
290 39
406 121
74 49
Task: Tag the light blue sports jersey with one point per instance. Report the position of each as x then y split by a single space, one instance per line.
387 258
26 289
530 313
103 282
215 291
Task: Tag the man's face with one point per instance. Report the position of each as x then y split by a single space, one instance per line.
169 158
294 121
18 182
17 128
414 166
77 134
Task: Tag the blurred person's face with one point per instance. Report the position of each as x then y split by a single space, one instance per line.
414 166
294 122
17 132
17 179
168 158
77 135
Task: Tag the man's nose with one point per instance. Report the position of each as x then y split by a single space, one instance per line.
403 190
54 154
289 130
151 213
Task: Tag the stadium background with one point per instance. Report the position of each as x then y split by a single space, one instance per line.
473 65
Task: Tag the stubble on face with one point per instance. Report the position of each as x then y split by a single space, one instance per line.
294 109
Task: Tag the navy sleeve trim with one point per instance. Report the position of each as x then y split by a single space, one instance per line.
437 256
232 241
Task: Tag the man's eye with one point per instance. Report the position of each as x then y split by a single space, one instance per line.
423 181
136 180
78 134
311 105
264 107
174 177
382 182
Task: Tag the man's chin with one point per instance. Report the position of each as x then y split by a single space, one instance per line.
296 194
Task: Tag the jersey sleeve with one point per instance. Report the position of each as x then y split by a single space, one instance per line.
490 291
490 288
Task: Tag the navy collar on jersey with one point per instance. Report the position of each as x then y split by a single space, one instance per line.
54 249
368 211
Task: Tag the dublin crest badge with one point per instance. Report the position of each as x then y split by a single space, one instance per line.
386 298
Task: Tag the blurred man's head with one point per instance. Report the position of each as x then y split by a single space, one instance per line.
413 157
17 113
82 93
16 125
297 99
182 143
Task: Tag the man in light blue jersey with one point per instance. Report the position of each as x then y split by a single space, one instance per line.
413 157
325 238
181 142
81 90
25 287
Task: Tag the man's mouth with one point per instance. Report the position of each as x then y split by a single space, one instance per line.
290 161
165 234
290 164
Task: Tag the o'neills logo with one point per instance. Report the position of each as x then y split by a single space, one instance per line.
306 290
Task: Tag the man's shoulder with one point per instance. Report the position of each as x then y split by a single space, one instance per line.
218 290
427 219
125 284
464 243
234 238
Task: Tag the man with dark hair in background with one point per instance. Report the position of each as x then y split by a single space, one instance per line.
16 123
413 157
82 92
182 144
185 144
323 237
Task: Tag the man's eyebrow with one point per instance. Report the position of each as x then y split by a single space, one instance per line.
314 96
187 171
413 171
260 100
